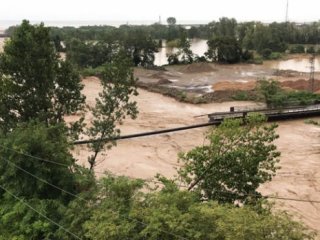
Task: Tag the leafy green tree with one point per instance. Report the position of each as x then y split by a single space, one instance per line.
224 50
265 38
239 156
226 27
28 178
273 94
171 21
140 47
91 54
58 43
124 211
35 83
245 32
113 105
185 53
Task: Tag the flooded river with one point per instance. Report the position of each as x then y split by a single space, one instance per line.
199 47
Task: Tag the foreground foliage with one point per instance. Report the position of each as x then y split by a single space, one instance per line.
27 178
239 156
125 212
119 207
45 194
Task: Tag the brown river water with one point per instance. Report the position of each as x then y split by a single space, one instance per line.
199 47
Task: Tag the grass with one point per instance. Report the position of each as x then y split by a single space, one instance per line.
313 122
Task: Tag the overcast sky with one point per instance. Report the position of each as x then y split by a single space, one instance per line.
128 10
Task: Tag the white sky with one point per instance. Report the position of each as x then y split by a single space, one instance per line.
242 10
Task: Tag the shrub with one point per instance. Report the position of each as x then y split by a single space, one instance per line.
266 53
297 49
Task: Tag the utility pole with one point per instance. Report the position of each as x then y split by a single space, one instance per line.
287 12
312 69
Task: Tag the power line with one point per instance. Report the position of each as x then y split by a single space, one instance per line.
137 135
41 214
42 180
67 192
280 174
132 219
34 157
212 122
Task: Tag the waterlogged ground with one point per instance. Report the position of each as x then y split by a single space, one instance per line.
201 77
299 176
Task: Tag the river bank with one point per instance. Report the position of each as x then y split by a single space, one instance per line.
299 144
211 82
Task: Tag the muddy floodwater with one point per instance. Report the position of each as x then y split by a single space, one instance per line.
199 47
299 144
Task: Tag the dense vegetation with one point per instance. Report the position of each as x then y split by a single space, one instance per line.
274 96
45 194
228 41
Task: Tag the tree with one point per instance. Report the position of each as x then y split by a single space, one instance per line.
113 104
239 156
35 83
91 54
226 27
273 94
124 211
224 50
28 177
185 52
264 37
139 47
171 21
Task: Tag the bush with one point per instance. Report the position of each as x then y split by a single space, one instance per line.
247 56
275 56
275 97
173 59
311 50
86 72
241 96
297 49
266 53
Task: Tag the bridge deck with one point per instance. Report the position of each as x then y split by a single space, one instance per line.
272 114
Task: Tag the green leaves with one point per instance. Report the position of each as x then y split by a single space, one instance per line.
239 156
114 104
37 85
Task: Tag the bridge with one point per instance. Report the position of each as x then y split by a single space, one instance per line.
271 114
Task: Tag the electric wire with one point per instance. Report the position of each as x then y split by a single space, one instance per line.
34 157
41 214
67 192
132 219
280 174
